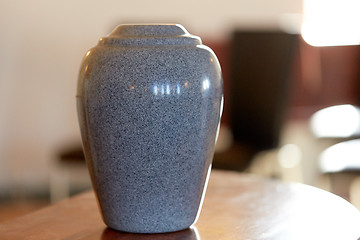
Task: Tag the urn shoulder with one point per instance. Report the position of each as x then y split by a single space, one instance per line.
145 48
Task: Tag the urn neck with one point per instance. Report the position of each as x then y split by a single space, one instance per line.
150 34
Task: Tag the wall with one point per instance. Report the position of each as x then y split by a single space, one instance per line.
42 43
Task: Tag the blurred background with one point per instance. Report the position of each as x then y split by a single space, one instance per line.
291 77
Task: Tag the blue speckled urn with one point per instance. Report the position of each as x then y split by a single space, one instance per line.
149 104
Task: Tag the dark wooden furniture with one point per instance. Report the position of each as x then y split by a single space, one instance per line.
261 74
262 71
237 206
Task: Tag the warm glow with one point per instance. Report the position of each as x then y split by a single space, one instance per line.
289 156
331 22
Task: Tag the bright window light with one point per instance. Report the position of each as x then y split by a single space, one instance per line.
337 121
341 156
331 22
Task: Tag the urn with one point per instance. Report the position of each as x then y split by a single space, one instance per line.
149 103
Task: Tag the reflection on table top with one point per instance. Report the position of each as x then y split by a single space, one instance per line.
236 206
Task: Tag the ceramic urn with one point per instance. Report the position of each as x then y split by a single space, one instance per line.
149 102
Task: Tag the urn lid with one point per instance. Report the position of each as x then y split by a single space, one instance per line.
150 34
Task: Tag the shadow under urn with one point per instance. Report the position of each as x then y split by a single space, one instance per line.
149 104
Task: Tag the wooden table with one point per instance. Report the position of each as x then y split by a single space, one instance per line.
237 206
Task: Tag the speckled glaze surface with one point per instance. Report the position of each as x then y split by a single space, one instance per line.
149 104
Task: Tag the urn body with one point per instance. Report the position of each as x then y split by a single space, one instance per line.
149 104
